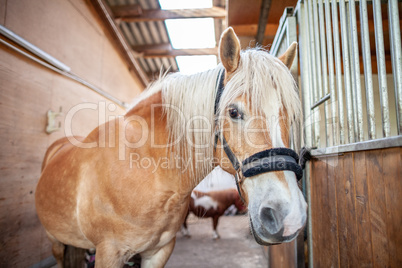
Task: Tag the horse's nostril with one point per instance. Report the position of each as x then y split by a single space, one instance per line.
270 220
267 215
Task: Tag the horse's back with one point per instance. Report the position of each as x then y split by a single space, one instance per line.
56 193
223 195
56 147
214 204
219 196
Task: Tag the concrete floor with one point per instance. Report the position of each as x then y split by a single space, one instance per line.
235 248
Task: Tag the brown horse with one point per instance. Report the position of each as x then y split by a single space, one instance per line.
212 205
125 188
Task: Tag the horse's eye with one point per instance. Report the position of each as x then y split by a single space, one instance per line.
234 113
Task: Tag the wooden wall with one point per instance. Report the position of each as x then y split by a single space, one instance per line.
356 209
70 31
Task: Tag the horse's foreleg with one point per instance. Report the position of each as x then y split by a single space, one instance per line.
185 219
215 220
157 258
108 255
58 250
184 228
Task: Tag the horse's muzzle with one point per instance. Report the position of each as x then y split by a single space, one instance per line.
270 233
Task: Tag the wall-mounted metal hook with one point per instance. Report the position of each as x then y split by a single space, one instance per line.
51 121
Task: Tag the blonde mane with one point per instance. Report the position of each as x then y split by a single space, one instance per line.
189 102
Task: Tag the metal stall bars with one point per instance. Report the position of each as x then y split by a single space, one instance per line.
396 57
346 68
355 71
284 37
313 75
368 74
330 72
382 79
331 76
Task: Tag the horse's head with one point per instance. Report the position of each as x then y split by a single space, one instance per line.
258 105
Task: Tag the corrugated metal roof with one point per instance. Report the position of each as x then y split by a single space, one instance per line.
146 33
153 33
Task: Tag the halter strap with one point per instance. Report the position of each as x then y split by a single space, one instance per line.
229 153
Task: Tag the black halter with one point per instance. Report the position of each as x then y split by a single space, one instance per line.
275 159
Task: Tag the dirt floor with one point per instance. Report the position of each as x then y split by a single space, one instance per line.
235 248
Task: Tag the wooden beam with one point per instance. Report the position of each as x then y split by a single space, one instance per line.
262 23
107 18
133 14
126 10
179 52
160 48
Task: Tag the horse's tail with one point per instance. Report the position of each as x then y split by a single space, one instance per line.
54 148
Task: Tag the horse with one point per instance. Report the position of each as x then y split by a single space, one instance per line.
124 189
212 205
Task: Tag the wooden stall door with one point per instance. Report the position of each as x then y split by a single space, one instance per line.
356 214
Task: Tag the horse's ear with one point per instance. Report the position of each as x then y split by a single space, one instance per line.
229 50
289 55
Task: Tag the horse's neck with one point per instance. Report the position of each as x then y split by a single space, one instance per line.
224 198
230 198
150 110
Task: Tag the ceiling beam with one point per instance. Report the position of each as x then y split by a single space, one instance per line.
106 16
150 53
154 48
134 13
262 23
126 10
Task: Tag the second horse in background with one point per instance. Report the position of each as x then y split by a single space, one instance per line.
212 205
